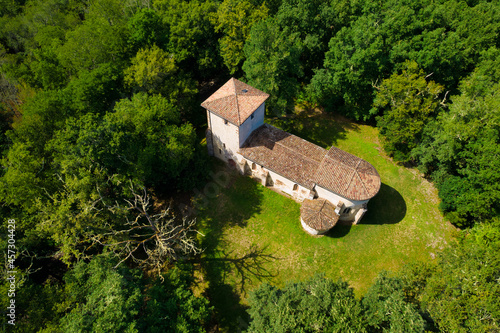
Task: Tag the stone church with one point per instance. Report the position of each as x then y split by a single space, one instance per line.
332 185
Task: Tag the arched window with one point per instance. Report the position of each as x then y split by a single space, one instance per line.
295 187
254 166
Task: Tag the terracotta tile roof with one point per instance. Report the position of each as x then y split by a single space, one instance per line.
308 164
286 154
319 214
235 101
348 175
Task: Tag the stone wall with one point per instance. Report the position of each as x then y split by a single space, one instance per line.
273 179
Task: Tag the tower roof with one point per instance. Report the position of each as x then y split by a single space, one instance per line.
235 101
318 214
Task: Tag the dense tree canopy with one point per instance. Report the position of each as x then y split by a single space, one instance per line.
459 293
407 101
97 298
235 18
100 123
459 149
318 304
272 63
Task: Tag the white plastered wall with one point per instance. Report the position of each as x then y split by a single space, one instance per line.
251 124
334 198
225 137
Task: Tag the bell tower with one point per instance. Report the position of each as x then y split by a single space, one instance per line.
234 111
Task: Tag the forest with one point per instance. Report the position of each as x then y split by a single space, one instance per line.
102 140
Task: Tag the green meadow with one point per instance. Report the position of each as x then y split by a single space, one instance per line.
253 235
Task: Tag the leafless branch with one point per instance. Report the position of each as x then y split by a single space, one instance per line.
148 239
444 99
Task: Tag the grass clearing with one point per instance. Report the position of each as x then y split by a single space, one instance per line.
253 234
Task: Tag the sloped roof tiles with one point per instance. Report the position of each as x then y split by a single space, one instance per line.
319 214
308 164
235 101
290 156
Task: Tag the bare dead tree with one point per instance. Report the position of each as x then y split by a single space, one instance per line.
149 239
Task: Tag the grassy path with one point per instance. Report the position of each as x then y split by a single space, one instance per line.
254 235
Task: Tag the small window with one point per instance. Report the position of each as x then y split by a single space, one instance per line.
224 145
254 166
347 210
295 187
225 122
251 117
220 151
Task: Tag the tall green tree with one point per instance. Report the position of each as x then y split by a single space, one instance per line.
235 19
356 59
95 91
155 71
95 297
101 38
192 38
387 309
462 294
146 29
151 138
26 163
458 149
407 101
172 307
150 68
100 299
273 63
315 22
317 304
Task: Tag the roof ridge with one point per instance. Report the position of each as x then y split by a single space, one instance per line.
323 205
237 102
350 181
362 183
357 165
360 179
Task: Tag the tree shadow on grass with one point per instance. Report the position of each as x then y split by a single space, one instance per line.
387 207
230 206
249 266
320 128
226 298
